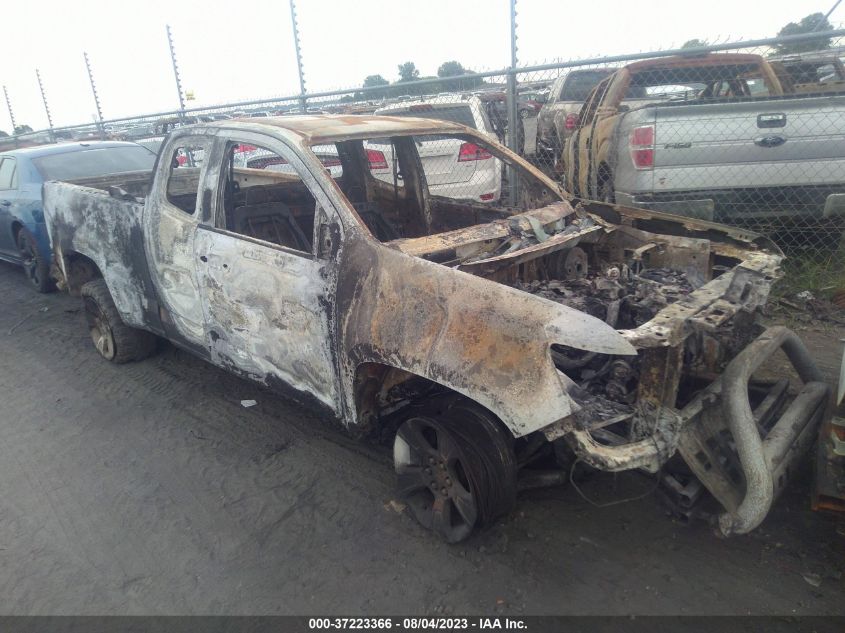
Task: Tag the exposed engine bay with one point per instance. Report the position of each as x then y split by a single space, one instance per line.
687 297
622 298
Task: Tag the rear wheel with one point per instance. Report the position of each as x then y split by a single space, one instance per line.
455 467
114 340
35 266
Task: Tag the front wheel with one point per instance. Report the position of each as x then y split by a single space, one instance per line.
455 467
114 340
36 267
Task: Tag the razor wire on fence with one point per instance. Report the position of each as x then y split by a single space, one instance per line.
750 134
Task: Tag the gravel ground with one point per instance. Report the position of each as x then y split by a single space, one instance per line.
148 489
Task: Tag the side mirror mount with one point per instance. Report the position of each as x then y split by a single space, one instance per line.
328 237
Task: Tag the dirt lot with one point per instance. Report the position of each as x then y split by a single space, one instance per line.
149 489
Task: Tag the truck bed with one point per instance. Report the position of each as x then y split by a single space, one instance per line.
88 219
136 183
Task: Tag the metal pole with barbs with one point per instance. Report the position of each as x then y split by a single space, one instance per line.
302 101
9 105
46 107
176 73
513 119
94 91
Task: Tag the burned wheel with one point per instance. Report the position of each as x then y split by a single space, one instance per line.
115 341
455 467
37 269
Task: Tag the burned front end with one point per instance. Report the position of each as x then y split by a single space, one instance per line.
687 296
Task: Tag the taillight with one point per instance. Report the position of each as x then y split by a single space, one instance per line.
330 162
641 145
471 151
181 160
571 120
240 149
376 159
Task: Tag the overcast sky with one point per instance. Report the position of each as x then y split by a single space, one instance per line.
230 51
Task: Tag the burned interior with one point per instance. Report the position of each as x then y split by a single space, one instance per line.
426 284
687 296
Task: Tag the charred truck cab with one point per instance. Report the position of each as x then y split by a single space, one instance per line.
484 338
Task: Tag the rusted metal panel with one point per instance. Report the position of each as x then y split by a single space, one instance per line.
475 336
573 319
263 313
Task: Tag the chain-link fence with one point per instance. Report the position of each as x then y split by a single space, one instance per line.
746 135
750 134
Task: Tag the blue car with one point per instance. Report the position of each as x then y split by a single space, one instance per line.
23 235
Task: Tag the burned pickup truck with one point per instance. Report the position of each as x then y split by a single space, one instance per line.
484 340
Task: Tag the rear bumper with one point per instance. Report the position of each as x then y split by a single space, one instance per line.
742 455
748 203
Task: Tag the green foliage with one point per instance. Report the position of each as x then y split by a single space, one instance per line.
451 69
455 69
3 134
694 43
408 72
374 81
809 24
22 129
819 275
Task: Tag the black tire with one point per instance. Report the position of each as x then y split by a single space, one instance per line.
548 154
35 267
113 339
455 467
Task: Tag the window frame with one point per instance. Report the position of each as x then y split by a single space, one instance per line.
323 203
13 181
170 149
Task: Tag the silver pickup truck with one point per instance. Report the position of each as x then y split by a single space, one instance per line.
493 345
716 140
557 118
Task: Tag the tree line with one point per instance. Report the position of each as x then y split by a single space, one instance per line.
451 77
808 24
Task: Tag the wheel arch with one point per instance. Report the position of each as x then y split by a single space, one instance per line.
77 270
381 391
17 225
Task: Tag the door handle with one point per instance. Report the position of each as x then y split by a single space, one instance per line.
773 140
203 258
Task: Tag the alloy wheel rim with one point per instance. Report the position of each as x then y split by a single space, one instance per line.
102 336
30 260
430 467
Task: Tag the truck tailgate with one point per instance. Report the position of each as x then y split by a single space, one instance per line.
759 143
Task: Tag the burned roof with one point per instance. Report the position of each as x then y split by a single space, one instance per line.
331 127
686 61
